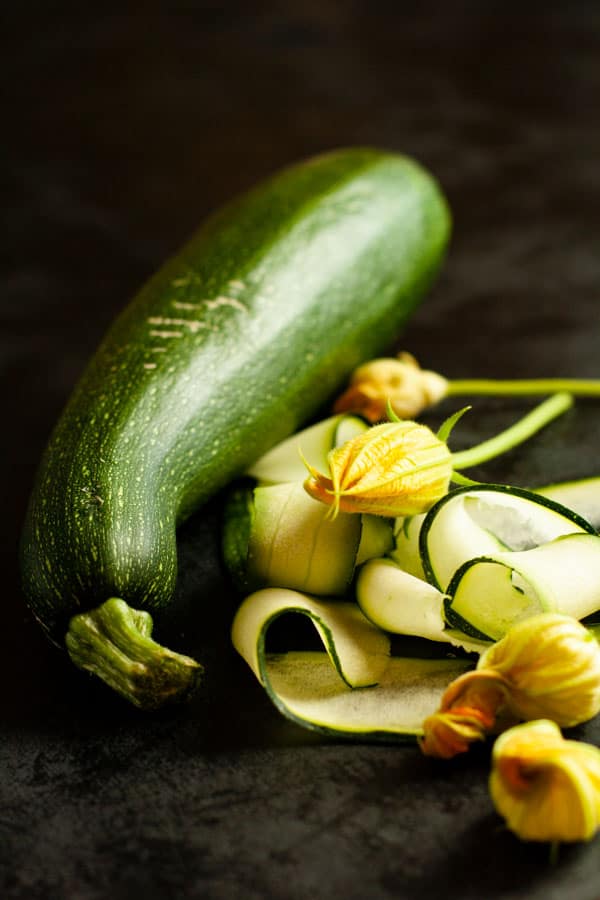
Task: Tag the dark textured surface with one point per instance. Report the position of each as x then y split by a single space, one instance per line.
125 128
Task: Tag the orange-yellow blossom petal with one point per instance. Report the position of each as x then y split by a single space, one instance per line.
446 734
551 667
468 712
393 469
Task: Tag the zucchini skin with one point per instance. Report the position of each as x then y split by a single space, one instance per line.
228 349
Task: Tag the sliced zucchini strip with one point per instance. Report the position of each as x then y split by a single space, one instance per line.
284 461
348 427
276 535
582 496
354 689
488 595
358 650
398 602
403 604
471 522
294 543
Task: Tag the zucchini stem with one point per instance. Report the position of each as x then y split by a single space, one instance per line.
114 642
518 433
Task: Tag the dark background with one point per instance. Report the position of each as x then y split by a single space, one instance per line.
123 128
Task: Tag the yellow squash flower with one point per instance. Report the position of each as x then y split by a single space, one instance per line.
551 666
449 732
547 666
545 787
393 469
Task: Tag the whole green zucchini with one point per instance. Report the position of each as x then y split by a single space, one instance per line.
230 347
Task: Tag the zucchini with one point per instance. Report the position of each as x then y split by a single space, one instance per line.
228 349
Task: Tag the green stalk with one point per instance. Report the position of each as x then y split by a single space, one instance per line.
518 433
579 387
113 641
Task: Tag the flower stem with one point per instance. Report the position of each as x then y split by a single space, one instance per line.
579 387
518 433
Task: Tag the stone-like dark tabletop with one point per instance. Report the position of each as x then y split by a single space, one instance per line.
124 126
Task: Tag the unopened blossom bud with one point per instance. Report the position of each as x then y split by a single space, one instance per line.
446 734
545 787
401 382
393 469
551 666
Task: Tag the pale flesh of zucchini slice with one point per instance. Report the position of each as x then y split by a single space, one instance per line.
582 496
398 602
354 689
485 520
488 595
376 538
401 603
294 543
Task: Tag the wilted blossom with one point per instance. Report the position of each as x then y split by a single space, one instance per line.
400 382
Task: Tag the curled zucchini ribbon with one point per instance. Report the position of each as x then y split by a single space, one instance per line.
353 688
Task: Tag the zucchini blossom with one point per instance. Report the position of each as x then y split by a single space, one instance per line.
551 666
392 469
547 666
545 787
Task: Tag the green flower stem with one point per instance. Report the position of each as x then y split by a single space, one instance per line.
526 427
579 387
114 642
